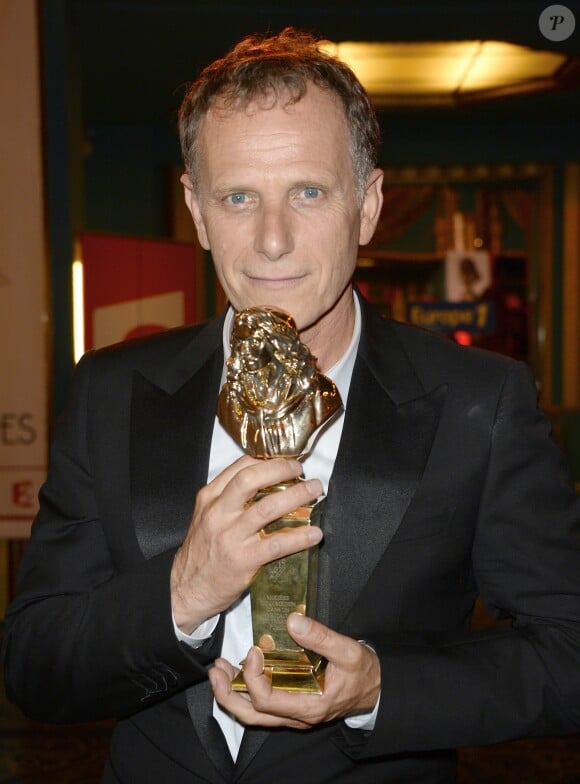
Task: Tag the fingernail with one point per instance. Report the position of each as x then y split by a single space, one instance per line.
254 651
298 624
315 487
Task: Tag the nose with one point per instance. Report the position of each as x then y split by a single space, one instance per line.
273 236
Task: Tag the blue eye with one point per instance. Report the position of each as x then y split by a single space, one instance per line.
311 193
237 198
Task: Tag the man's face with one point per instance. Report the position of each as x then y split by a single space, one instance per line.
277 204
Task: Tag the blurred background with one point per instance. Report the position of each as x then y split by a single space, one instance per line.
479 238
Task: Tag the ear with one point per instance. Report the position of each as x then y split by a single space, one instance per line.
192 203
371 207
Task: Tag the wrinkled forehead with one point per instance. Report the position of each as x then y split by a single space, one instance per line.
229 103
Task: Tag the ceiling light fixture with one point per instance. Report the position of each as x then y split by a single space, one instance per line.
454 72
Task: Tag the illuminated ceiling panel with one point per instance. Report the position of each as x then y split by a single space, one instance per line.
448 72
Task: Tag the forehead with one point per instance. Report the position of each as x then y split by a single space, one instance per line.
277 96
318 117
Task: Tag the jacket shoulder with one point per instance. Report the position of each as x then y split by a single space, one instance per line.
157 344
437 359
419 340
166 358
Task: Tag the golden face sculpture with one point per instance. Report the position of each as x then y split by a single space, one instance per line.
274 400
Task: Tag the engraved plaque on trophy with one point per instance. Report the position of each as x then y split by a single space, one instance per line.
274 403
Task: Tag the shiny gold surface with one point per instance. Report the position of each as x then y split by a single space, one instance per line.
274 403
274 399
281 587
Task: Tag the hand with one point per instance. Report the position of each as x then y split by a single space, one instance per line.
223 548
352 682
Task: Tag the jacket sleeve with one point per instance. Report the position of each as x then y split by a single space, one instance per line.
84 640
520 680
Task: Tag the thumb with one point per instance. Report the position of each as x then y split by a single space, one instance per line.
311 634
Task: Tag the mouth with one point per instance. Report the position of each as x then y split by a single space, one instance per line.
275 283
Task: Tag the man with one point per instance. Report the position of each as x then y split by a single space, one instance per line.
441 482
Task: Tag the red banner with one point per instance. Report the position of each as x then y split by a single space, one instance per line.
135 286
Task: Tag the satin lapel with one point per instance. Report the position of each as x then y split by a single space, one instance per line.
200 704
170 443
251 744
383 451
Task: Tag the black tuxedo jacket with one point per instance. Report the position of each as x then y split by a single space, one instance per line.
446 485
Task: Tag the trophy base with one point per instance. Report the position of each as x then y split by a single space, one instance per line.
289 671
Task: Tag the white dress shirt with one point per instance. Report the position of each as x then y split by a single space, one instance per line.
317 464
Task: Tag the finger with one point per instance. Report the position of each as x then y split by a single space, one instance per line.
220 682
239 704
245 483
259 685
282 708
314 636
274 504
220 678
227 667
348 662
254 666
271 547
277 504
219 482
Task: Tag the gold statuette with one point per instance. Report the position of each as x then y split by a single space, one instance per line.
274 403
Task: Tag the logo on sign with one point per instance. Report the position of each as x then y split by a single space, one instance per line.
23 494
